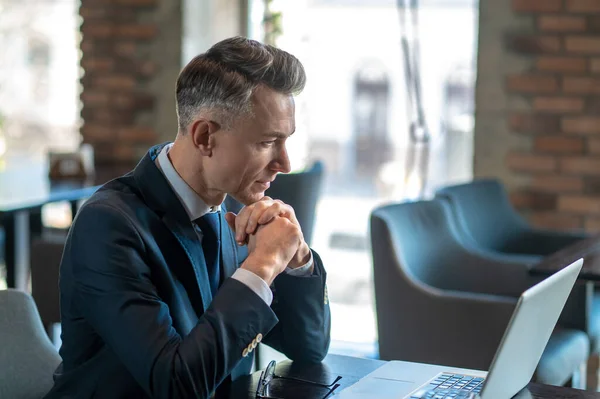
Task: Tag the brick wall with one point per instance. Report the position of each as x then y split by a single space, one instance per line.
123 59
551 105
132 52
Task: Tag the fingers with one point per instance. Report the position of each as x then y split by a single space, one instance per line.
277 209
259 213
230 218
241 222
272 212
247 220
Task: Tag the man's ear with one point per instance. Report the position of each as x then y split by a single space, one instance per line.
200 133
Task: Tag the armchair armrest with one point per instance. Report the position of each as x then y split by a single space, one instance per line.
459 269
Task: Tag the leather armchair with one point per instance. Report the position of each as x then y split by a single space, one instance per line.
437 302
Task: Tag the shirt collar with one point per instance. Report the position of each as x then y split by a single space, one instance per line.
193 204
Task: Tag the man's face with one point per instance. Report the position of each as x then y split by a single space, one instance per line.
247 157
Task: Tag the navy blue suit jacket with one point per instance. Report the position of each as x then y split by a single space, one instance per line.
138 319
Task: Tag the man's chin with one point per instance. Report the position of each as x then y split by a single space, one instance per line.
249 198
258 196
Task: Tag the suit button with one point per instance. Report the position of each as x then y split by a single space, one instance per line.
259 337
245 352
254 343
250 348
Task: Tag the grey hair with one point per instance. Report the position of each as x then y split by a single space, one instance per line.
223 79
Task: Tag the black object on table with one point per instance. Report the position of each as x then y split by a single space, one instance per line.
275 381
353 369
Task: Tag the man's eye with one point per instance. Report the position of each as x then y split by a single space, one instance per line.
268 143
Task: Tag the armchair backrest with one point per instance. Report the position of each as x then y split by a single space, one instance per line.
28 357
484 214
426 244
413 229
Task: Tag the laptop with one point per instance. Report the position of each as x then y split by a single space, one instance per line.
514 363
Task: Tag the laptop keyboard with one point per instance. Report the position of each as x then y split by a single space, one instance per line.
450 386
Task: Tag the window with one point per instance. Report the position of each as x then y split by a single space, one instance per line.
354 116
39 72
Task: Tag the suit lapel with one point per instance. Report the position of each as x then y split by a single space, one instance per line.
159 196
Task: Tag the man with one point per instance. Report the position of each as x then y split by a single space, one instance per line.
163 295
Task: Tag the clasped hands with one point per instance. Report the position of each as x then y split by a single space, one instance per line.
270 229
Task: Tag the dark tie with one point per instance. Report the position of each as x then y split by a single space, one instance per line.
210 224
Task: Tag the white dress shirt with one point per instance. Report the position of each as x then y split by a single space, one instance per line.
196 208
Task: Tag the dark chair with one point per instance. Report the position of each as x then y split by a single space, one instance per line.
486 217
437 302
28 358
301 190
487 221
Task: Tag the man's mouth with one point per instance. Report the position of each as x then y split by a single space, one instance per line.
266 184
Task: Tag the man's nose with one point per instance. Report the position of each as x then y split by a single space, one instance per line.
282 163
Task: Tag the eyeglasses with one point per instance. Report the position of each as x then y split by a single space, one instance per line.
262 390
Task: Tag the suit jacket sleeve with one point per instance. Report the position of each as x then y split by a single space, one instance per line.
302 306
113 287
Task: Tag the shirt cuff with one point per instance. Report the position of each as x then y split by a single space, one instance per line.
302 271
255 283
